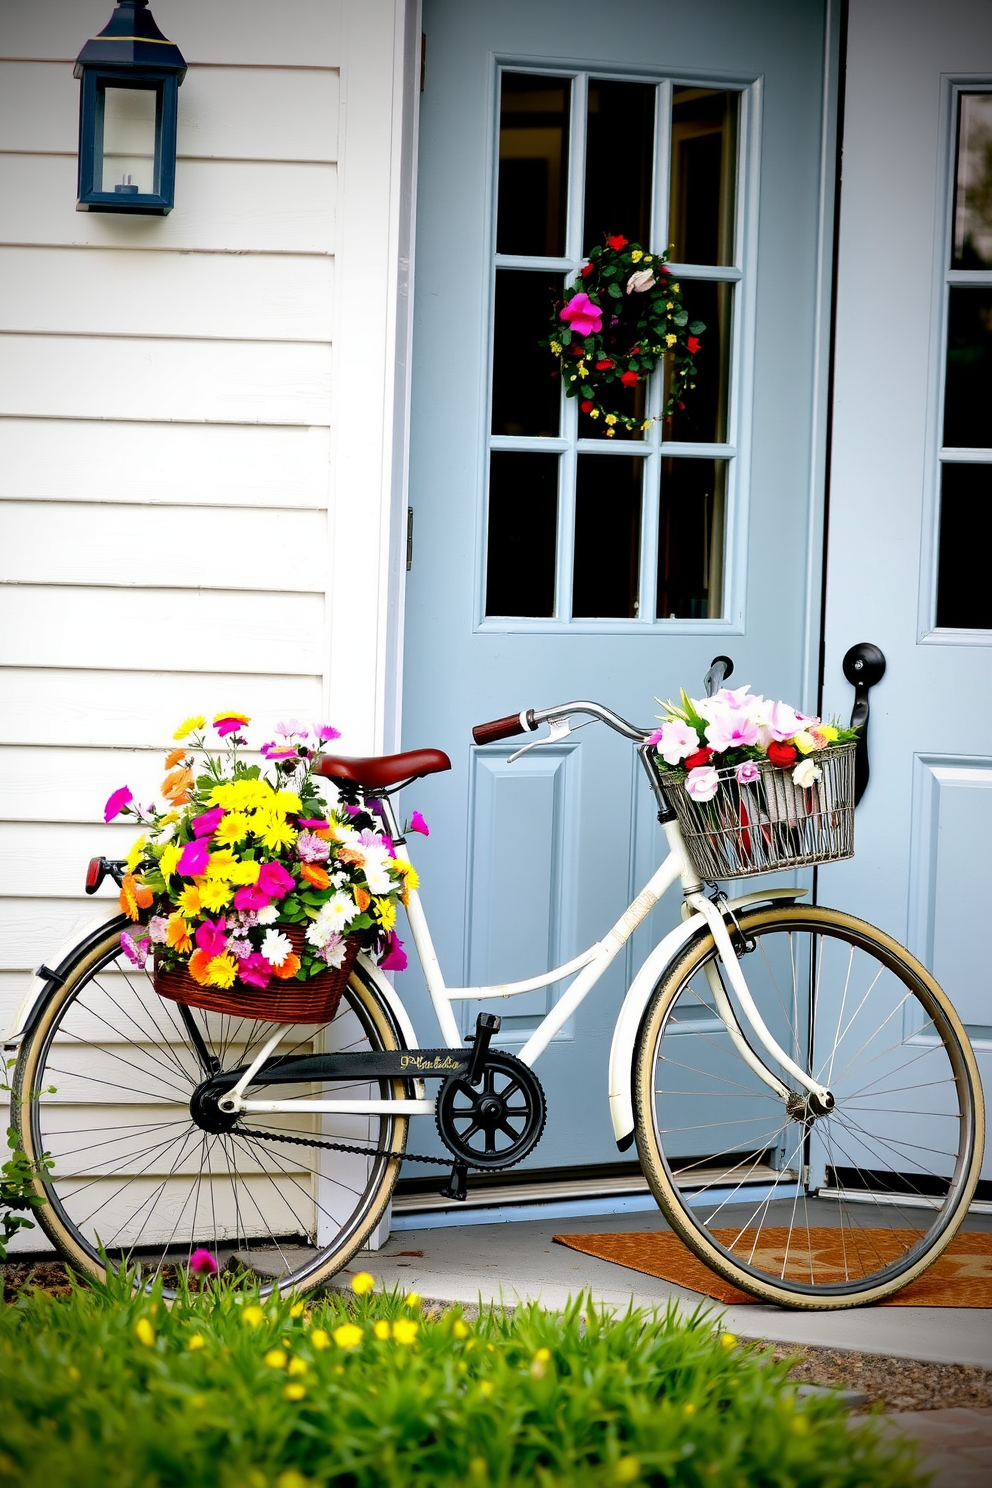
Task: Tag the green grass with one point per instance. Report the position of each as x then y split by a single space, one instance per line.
218 1391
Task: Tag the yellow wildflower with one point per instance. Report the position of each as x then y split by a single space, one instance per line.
297 1366
221 863
689 1408
222 971
670 340
136 854
610 433
582 370
669 304
594 413
275 1358
412 1299
215 894
292 1479
245 872
253 1316
381 1329
145 1332
190 725
648 259
611 418
485 1387
385 913
189 901
362 1282
348 1336
169 859
232 828
627 1470
297 1309
637 255
556 348
195 1342
675 289
728 1340
405 1330
293 1392
460 1328
319 1338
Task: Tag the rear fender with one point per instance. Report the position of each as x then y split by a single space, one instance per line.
638 994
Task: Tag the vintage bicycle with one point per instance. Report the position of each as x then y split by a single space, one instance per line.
765 1060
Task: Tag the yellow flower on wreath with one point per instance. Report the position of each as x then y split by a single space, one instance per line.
611 418
637 255
670 340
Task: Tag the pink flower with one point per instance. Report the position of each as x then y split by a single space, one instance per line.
732 728
582 315
211 936
292 730
746 772
395 957
655 739
781 721
326 733
702 783
158 929
274 881
116 803
312 823
417 824
207 824
278 751
677 741
250 897
311 849
255 971
194 858
202 1263
135 950
229 723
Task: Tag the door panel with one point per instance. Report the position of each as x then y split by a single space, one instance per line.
544 551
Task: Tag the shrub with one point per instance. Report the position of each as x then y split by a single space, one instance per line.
221 1391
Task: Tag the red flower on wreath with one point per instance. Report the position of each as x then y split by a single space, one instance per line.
587 406
629 378
616 243
693 345
587 270
701 757
782 755
604 365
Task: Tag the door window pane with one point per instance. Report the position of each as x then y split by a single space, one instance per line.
690 539
968 388
129 140
973 184
526 384
964 594
533 164
704 417
607 536
619 161
704 170
523 523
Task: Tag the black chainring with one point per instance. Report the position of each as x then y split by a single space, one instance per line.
497 1122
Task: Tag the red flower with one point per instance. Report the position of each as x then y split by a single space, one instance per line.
701 757
782 755
603 365
662 269
693 344
587 270
587 406
577 350
616 243
629 378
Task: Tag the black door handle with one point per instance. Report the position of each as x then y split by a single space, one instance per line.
864 665
721 667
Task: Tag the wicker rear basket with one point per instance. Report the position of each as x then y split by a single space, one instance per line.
291 1001
771 823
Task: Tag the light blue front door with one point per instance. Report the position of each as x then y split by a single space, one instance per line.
550 562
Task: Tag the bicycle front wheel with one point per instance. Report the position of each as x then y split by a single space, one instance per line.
103 1085
794 1205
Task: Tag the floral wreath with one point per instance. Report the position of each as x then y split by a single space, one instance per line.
623 313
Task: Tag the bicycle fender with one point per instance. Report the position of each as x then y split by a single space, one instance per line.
51 974
638 994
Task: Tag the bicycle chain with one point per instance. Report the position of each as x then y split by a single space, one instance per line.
441 1162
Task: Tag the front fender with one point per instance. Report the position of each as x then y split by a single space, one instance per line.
629 1022
50 976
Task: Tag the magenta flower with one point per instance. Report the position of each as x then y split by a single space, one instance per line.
229 723
656 738
207 824
250 897
202 1263
135 950
255 971
417 824
274 751
194 858
582 315
326 733
274 881
116 803
746 772
211 936
395 957
312 823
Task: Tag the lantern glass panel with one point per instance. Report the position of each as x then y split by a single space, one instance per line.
129 141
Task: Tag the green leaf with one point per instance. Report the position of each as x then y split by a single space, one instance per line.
696 328
680 318
615 291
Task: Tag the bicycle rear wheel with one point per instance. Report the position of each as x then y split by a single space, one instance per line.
103 1084
794 1206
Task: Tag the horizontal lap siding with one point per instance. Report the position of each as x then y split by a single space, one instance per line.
167 431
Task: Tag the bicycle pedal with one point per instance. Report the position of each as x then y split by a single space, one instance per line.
457 1185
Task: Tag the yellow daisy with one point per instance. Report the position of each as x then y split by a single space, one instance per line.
215 894
136 854
276 833
169 859
189 901
221 863
233 828
222 971
385 911
190 725
245 872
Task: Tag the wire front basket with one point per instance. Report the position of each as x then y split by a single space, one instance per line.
769 823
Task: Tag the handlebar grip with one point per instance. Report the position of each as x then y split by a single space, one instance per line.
502 728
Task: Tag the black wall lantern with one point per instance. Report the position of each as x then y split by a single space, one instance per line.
130 76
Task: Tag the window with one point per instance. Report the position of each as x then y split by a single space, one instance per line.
582 530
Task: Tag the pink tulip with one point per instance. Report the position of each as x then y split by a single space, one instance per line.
582 315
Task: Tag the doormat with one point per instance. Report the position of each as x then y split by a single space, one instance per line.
962 1277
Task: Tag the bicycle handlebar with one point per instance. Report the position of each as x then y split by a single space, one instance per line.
526 721
504 728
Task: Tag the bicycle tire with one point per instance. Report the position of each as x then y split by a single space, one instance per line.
790 1208
110 1045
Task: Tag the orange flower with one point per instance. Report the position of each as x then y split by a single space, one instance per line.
289 967
313 873
176 785
173 757
324 832
177 935
134 896
362 898
197 966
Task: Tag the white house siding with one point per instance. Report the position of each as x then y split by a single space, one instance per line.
201 442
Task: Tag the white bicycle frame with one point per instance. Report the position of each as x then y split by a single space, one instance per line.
587 968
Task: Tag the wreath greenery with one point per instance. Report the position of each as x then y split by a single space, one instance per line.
621 316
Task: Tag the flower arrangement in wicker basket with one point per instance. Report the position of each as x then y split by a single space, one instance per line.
756 785
249 893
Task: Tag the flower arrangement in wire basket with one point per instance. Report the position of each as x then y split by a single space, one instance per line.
623 314
244 879
756 784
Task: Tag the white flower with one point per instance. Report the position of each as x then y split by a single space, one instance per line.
276 947
378 879
336 914
268 915
334 951
678 740
639 282
807 773
702 783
